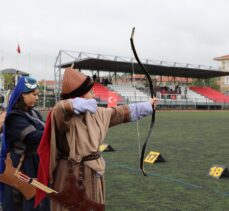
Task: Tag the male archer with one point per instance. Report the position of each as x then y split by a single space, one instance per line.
69 150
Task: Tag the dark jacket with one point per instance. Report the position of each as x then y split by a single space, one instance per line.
23 134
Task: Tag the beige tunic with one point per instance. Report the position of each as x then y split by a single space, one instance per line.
76 136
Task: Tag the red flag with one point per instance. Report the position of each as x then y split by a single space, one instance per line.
18 49
44 154
112 99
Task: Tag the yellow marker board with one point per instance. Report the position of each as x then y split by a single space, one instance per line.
153 157
105 148
218 171
102 147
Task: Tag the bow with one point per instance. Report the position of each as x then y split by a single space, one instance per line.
152 92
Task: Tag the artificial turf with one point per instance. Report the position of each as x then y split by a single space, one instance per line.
190 142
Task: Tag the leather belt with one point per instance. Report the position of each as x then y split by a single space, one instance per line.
92 156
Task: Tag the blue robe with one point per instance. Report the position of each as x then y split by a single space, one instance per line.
23 132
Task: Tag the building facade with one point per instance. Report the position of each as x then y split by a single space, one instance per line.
224 81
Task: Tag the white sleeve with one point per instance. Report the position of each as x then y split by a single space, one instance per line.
139 110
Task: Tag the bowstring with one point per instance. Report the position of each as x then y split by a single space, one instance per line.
135 97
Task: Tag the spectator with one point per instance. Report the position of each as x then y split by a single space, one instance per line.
185 92
106 82
94 78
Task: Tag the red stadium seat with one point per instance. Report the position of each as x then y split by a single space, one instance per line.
211 94
102 91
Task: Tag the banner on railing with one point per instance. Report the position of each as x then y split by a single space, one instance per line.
112 99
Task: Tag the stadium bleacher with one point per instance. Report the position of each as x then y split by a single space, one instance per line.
102 92
196 97
129 92
185 95
210 93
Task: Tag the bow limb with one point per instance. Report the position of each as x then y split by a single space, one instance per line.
152 92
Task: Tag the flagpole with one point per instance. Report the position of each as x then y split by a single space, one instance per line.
17 63
17 58
44 93
2 57
29 61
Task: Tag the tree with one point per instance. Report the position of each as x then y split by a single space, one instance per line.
9 80
211 82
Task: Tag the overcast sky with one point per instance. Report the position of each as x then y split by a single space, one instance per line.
186 31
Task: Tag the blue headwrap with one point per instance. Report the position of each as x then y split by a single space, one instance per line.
24 85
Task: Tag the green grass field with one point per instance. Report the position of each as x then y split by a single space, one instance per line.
190 142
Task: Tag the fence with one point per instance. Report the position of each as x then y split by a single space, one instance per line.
177 104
